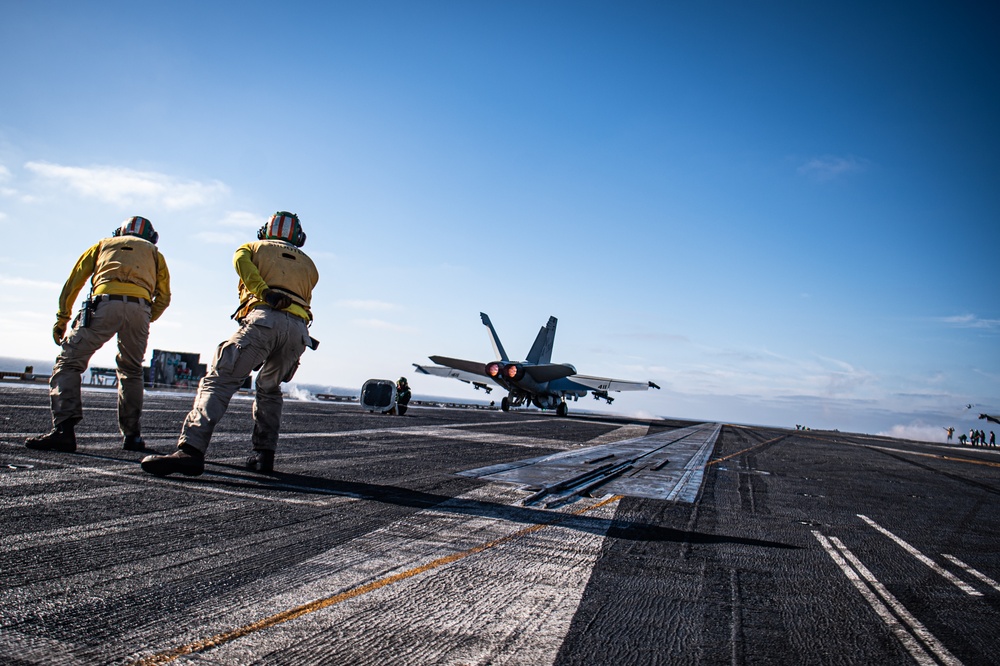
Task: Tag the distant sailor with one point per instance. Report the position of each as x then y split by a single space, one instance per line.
276 280
130 287
402 397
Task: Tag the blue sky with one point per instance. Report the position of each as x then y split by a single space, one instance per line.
782 214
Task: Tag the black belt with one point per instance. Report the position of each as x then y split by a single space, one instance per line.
121 297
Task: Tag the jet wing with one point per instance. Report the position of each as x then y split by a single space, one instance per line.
549 371
607 384
467 377
472 367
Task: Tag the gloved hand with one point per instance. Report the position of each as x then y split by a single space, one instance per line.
58 331
276 299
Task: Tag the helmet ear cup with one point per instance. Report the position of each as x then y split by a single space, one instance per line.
262 232
300 238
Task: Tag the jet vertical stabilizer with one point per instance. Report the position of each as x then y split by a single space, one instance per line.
494 338
541 351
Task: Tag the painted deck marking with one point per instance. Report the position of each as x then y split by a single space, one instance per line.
319 604
201 486
938 456
755 446
871 589
975 572
934 566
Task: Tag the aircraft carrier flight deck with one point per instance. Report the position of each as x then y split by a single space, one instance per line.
450 536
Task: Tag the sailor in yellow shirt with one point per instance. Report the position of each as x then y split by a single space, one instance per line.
276 280
130 287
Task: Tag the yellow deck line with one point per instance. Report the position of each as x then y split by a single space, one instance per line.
939 456
931 455
755 446
319 604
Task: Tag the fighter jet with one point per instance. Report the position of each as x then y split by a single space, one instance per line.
535 380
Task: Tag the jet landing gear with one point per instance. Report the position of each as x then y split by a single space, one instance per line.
506 403
509 401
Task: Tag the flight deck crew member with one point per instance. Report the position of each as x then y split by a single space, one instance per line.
276 279
402 397
130 287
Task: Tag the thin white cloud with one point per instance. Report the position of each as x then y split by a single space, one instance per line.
242 220
829 167
237 221
971 321
371 306
323 254
123 186
381 325
20 282
843 378
220 238
763 373
10 192
656 337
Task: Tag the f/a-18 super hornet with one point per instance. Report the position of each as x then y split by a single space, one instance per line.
535 380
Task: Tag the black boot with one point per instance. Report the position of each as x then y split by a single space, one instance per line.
186 459
261 461
133 443
62 438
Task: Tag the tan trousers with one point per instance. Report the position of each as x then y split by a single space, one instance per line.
268 339
130 322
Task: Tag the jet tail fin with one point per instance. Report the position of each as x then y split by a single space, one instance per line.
494 338
541 350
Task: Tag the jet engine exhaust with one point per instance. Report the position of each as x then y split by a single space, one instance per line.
513 372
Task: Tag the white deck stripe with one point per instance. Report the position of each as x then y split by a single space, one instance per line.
688 486
63 535
134 473
905 637
918 628
978 574
239 437
949 576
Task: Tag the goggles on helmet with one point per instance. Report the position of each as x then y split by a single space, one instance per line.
138 226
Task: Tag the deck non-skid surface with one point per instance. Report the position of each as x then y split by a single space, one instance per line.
408 540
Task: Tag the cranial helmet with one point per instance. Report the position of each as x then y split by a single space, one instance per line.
138 226
402 381
283 226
